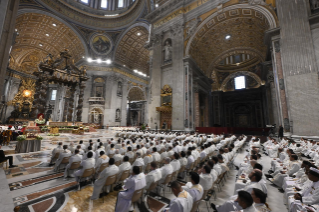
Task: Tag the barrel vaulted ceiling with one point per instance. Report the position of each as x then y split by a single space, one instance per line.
131 51
39 35
245 29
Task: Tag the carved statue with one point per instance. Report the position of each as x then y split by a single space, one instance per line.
119 89
314 4
167 51
118 115
48 60
83 70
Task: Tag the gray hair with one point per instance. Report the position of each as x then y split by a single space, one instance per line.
167 159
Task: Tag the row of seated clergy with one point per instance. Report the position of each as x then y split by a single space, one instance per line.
301 187
255 177
147 159
219 166
168 168
254 201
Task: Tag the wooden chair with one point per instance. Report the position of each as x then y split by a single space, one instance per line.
87 173
55 157
117 163
110 182
124 175
174 175
65 161
137 196
102 167
151 188
74 166
167 180
6 162
147 167
131 160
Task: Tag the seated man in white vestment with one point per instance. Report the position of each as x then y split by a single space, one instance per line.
194 188
56 150
166 169
245 201
74 158
126 165
81 151
90 149
103 158
293 167
139 161
308 196
99 183
63 154
175 162
259 198
222 163
255 176
153 176
135 182
206 178
85 164
117 156
156 156
183 201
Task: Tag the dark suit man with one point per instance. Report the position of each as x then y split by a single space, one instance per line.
4 158
281 132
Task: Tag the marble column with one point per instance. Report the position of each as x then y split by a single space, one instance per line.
71 103
300 71
80 102
124 104
196 108
154 97
8 13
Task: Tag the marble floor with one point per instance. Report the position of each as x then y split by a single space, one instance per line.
36 188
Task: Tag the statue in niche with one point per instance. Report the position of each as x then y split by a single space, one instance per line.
164 125
167 51
314 4
119 89
118 115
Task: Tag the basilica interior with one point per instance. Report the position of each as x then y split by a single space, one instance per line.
211 74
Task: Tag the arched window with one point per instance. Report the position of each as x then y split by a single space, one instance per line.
120 3
104 4
85 1
240 82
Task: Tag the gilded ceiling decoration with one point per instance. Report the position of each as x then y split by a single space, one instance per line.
246 28
131 51
136 94
40 35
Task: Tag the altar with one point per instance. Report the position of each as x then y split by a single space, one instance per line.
28 145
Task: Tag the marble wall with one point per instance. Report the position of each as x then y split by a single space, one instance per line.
299 66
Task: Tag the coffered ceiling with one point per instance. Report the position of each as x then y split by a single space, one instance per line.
246 28
38 36
233 32
131 52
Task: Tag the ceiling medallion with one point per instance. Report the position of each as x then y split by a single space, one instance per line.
101 44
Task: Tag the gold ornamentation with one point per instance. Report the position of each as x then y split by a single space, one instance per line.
167 90
27 84
37 38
